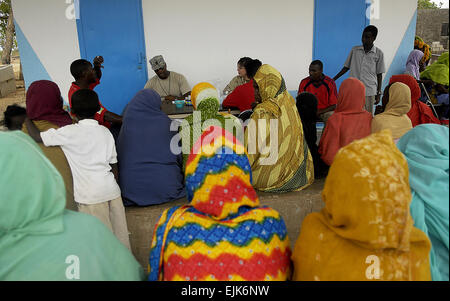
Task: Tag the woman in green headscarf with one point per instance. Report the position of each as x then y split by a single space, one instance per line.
277 149
205 100
426 149
39 239
435 78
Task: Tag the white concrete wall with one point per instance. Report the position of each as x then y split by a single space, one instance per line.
50 28
392 20
204 39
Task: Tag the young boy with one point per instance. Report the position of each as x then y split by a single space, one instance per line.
14 117
88 77
91 154
366 63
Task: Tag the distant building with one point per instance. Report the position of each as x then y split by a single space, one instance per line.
432 27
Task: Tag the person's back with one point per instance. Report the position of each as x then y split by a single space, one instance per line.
419 113
39 239
89 149
365 231
45 109
149 172
91 153
426 148
349 122
223 234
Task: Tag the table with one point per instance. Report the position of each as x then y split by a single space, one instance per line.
174 113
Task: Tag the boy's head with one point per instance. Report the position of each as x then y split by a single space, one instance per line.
83 70
369 36
316 70
14 117
85 104
307 106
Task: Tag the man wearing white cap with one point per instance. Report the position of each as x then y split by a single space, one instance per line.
168 84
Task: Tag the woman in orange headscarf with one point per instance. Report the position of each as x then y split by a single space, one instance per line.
365 231
420 113
350 121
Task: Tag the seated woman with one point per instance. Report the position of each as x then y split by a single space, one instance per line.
39 240
365 232
396 104
45 108
206 104
239 79
307 108
149 172
419 113
244 95
223 234
277 149
425 48
426 150
414 63
436 81
349 122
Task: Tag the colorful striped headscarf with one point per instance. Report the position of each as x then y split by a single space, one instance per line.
223 234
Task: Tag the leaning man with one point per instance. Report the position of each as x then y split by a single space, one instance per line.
168 84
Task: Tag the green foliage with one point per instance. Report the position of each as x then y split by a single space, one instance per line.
5 7
427 4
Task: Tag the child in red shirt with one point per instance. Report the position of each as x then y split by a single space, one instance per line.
88 77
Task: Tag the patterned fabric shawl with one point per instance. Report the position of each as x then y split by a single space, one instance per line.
224 234
278 152
365 232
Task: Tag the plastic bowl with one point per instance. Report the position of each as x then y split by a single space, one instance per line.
179 104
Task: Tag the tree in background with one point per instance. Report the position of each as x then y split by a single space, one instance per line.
427 4
7 31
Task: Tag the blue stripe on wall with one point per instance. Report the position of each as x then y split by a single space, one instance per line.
32 67
398 64
337 28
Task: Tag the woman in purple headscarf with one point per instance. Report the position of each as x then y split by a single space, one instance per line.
414 64
149 172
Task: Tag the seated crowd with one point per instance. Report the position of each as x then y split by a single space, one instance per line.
68 176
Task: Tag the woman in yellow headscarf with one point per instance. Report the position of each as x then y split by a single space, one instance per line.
365 232
277 150
397 103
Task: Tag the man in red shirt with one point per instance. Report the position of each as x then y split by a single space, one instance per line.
88 77
323 87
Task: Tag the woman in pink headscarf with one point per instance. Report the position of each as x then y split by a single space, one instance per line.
413 63
350 121
45 109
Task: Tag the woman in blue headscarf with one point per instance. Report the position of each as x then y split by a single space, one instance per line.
149 172
426 149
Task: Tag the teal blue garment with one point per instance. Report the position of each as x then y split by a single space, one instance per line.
39 239
427 151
